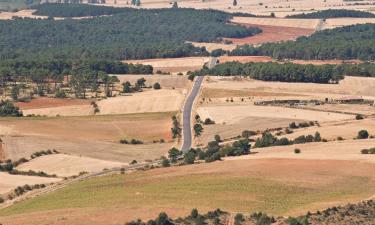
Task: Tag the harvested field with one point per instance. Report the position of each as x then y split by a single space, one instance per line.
173 65
212 46
363 109
163 100
245 59
272 34
92 136
9 182
235 113
148 101
22 13
44 102
350 86
226 93
166 81
348 150
67 165
340 22
280 8
309 24
331 130
252 183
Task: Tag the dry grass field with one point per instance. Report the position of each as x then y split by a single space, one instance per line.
230 103
281 8
276 186
67 165
91 136
173 65
9 182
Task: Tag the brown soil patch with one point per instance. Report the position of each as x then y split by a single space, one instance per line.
272 34
44 102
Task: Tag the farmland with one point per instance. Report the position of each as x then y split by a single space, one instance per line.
95 111
186 187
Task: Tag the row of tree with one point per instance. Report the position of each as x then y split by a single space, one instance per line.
136 34
271 71
334 13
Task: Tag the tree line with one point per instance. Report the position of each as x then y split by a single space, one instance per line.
349 42
334 13
272 71
137 34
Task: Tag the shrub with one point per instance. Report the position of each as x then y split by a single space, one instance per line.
339 138
194 213
136 142
217 138
157 86
359 117
363 134
297 151
208 121
248 133
133 162
60 94
1 200
165 162
198 129
8 109
364 151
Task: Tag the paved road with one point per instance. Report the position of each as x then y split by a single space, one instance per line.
186 127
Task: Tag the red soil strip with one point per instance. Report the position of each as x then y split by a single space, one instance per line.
50 102
272 34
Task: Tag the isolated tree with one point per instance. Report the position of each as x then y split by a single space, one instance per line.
165 162
138 3
217 138
126 87
157 86
15 92
198 129
363 134
194 213
141 82
133 2
234 2
173 154
175 5
317 137
189 157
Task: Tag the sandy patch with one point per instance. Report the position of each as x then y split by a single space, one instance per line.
9 182
67 165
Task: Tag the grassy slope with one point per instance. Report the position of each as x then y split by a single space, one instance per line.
229 192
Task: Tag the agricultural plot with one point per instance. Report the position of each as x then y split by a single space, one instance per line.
93 136
10 182
236 186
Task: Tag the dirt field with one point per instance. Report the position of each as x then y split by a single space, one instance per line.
176 190
67 165
9 182
44 102
173 65
93 136
272 34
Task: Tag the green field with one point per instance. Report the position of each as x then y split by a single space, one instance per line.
208 191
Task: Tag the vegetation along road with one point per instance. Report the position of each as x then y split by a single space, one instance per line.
187 111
